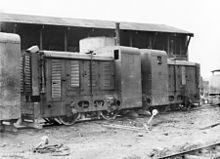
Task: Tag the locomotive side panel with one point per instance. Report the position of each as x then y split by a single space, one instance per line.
183 82
175 89
214 87
192 83
154 78
131 91
84 85
54 93
9 76
127 74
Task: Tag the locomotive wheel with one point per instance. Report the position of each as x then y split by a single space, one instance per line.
68 120
109 115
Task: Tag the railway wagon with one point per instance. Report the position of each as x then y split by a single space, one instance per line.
9 77
64 85
214 87
183 82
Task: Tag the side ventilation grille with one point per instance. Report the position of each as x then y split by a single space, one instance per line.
74 73
26 74
56 78
108 75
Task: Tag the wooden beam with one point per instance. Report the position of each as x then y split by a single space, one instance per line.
168 45
130 41
15 28
187 45
117 33
41 37
65 39
115 126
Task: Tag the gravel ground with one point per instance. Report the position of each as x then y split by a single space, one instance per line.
170 133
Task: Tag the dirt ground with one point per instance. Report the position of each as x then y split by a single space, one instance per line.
171 132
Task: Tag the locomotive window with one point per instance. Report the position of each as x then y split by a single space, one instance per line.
116 54
159 60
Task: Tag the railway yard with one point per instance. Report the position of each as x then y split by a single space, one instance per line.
126 137
74 74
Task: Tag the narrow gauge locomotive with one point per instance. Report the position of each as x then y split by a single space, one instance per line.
62 85
184 83
65 86
9 76
214 87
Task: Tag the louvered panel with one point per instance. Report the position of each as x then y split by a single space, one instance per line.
56 73
107 79
26 74
74 73
22 75
94 74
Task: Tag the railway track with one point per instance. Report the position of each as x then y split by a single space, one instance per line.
51 124
211 151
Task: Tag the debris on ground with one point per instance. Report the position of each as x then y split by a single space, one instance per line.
161 152
140 135
3 145
166 134
14 156
55 150
155 153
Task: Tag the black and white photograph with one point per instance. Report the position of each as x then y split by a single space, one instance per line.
109 79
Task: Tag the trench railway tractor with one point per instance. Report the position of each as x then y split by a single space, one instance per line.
184 83
65 86
214 87
9 77
165 82
154 78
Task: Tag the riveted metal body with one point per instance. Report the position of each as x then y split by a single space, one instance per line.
62 81
9 76
128 74
214 87
154 77
183 81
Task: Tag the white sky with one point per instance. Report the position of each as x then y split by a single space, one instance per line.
202 17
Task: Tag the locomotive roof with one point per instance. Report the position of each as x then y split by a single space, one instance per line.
9 37
180 62
86 23
74 55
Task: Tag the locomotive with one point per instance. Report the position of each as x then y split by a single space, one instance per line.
66 86
214 88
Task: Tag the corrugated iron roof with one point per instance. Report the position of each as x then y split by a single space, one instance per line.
31 19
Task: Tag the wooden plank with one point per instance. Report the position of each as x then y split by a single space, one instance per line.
114 126
210 126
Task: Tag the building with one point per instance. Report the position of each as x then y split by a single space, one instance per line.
63 34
